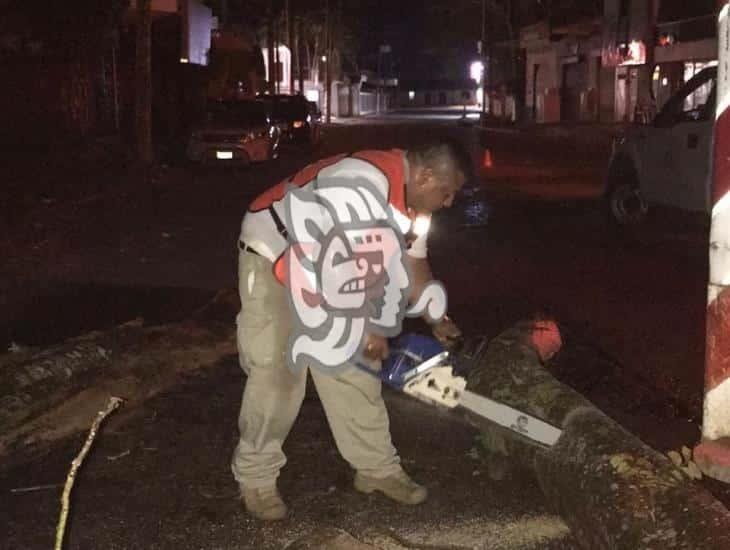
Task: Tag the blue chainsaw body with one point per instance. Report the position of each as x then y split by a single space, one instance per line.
409 355
421 367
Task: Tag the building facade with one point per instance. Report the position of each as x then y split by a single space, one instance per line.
563 80
652 47
620 66
686 42
437 93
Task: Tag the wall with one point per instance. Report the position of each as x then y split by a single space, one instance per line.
60 97
285 66
48 100
198 24
547 84
367 103
566 86
235 58
606 93
178 89
700 50
342 99
159 6
450 97
633 82
540 53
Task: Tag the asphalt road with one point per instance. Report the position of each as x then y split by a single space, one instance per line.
532 236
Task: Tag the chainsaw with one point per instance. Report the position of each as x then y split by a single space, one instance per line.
421 367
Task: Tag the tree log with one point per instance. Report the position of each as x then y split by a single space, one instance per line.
145 358
614 491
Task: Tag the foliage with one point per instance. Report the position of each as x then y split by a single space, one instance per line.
311 17
67 27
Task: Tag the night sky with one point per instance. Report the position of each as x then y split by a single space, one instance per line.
429 39
425 44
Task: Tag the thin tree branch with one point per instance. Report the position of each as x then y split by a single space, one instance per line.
113 403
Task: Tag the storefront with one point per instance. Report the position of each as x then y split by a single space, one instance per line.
562 76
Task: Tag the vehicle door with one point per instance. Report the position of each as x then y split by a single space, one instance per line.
683 135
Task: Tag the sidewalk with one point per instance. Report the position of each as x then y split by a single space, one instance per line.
596 134
585 134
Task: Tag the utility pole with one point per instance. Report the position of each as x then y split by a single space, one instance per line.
298 54
143 82
290 39
490 63
277 41
115 81
482 50
377 82
712 455
328 63
270 48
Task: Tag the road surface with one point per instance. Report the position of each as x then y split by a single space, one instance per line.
532 236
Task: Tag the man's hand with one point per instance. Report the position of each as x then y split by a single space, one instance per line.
376 347
446 332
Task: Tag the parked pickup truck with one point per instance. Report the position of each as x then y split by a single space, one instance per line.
667 162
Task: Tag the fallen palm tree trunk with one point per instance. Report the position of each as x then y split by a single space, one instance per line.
131 360
614 491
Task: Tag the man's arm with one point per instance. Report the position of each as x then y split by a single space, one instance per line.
420 276
445 330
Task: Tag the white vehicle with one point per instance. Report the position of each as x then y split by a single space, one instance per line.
667 162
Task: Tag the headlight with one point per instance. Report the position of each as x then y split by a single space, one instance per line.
298 123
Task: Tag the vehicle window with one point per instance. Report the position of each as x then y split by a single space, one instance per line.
693 102
693 106
250 113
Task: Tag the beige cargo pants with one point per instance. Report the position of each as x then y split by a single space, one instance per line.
273 394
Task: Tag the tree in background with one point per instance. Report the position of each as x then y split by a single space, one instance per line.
143 83
76 37
269 20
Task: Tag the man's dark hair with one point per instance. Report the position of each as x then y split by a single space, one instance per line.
443 155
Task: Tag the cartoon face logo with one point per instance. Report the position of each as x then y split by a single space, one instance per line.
346 272
352 267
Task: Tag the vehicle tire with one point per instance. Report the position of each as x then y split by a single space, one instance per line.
626 205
